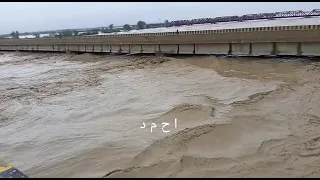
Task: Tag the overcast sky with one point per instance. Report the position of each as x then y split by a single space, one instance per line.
38 16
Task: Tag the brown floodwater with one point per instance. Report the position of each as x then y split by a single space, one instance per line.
65 115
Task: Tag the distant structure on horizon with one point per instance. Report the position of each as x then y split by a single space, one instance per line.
177 23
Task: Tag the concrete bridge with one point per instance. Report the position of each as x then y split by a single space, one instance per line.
302 40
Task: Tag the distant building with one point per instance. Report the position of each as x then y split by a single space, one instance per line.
44 35
27 37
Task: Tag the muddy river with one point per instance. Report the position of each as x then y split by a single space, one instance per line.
68 115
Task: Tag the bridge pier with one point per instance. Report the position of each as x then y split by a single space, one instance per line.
106 48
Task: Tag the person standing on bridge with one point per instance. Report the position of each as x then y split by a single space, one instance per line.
177 32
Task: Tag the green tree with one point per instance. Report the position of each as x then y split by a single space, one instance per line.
166 23
66 33
111 26
141 25
17 34
94 31
13 34
106 30
127 27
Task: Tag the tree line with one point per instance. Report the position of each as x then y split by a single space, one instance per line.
15 34
110 29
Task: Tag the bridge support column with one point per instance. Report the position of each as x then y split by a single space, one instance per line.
275 48
106 48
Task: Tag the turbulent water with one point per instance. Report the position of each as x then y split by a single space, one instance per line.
64 115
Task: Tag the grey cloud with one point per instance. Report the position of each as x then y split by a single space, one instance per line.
35 16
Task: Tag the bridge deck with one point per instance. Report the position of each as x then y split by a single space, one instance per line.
302 40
